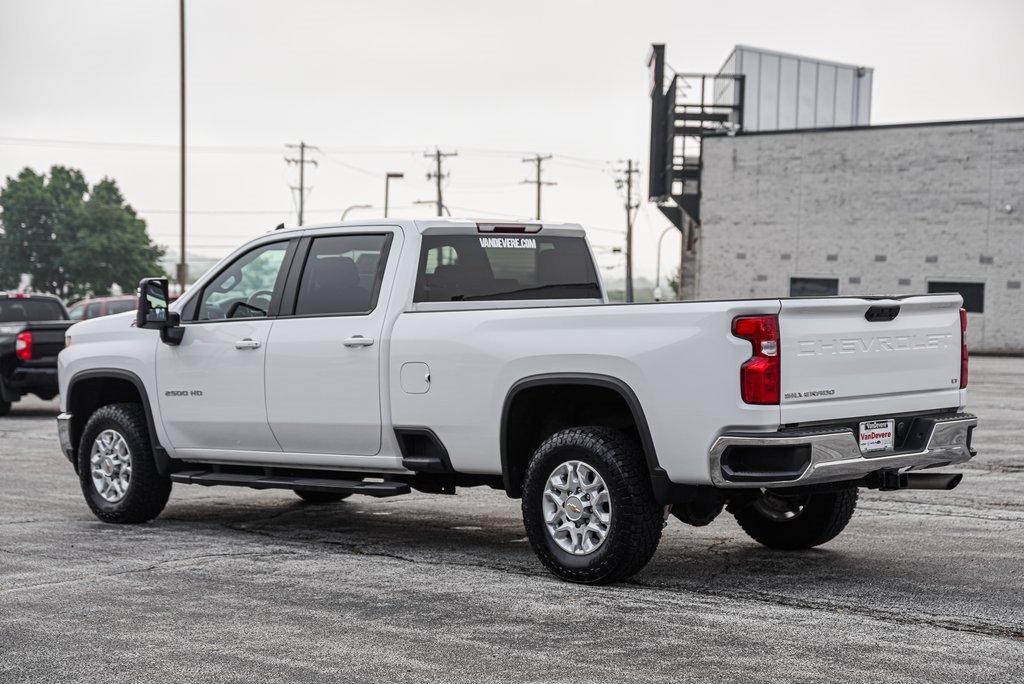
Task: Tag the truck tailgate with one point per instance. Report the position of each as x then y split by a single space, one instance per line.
840 361
47 339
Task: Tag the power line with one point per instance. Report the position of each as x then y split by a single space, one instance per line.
301 163
538 160
143 146
439 175
350 167
132 146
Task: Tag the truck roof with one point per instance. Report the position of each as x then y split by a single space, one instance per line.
455 224
29 295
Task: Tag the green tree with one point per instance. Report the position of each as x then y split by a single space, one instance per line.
673 283
74 240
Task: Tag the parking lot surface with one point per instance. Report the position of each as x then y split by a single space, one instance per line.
239 585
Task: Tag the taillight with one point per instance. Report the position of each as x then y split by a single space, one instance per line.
963 348
23 346
760 376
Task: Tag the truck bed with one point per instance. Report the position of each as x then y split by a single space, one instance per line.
682 362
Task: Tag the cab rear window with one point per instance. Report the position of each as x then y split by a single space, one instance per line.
466 268
28 310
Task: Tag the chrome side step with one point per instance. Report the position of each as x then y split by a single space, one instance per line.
210 478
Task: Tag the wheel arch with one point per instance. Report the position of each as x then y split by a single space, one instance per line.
515 454
91 389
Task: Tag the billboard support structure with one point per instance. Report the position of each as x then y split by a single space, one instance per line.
689 108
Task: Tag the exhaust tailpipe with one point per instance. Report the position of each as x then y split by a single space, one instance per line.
945 481
890 479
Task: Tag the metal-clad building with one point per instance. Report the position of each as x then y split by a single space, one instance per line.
899 209
786 92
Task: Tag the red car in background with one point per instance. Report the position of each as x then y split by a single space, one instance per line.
95 307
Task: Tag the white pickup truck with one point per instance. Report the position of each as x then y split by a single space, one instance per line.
381 357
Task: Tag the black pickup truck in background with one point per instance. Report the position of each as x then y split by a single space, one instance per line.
32 330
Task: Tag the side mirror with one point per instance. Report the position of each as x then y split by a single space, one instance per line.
153 311
153 302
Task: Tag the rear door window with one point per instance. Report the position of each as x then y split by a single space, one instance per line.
342 275
457 268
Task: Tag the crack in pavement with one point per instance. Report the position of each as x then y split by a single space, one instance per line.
919 509
903 618
937 621
184 562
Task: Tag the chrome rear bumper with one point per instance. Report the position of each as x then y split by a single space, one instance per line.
835 455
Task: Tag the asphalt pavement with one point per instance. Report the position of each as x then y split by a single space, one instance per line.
237 585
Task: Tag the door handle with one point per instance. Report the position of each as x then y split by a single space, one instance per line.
358 341
247 343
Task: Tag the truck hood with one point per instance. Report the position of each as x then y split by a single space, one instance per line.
103 324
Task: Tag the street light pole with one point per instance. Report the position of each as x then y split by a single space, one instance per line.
387 183
182 265
355 206
657 268
444 207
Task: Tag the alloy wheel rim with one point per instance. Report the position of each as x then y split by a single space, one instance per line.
577 508
111 465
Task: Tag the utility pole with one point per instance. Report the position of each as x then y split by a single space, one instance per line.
632 169
438 175
538 160
182 265
301 162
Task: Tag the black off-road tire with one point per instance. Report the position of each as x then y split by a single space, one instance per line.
5 408
823 517
148 491
320 497
636 520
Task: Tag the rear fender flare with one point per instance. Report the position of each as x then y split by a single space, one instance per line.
657 473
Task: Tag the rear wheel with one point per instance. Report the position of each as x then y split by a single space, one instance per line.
320 497
588 507
116 468
798 522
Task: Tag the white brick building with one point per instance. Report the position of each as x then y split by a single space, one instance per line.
872 210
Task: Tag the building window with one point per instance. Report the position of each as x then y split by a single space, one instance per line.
813 287
973 293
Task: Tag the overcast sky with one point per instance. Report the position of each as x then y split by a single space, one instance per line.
376 83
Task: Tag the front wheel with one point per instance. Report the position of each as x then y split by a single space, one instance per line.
588 506
797 522
116 468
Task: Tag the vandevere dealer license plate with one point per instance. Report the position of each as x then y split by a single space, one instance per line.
876 435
